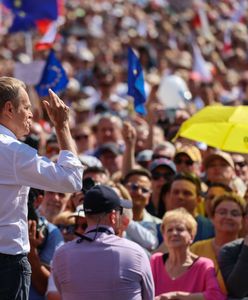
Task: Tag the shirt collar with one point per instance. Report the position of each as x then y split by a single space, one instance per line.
6 131
89 228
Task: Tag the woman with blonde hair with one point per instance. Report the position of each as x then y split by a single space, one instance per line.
180 274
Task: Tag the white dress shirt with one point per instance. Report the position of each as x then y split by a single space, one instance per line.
21 167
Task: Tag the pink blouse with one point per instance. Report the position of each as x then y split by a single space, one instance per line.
199 278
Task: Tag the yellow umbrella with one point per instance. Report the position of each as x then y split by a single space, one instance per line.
223 127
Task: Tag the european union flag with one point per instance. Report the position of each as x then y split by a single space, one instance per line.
53 77
136 83
28 12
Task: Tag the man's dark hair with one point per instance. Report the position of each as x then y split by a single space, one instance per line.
139 172
96 170
191 178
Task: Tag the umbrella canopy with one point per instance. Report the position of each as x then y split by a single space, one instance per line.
222 127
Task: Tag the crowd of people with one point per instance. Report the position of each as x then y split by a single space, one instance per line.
182 231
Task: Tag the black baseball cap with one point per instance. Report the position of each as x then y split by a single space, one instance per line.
102 198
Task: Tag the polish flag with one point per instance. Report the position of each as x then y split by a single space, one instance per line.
48 39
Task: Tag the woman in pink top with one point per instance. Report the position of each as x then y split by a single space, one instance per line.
180 274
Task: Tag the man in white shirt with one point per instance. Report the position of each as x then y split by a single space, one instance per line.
21 168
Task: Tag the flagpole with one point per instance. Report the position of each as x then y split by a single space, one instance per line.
29 44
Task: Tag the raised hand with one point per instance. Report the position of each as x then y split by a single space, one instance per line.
56 109
129 134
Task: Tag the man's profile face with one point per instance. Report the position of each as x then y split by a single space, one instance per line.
22 115
183 194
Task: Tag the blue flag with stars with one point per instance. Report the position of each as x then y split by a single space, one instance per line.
53 76
136 83
28 12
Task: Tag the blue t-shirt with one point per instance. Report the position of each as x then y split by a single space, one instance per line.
54 240
205 229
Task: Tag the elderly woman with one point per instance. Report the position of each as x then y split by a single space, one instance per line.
180 274
227 213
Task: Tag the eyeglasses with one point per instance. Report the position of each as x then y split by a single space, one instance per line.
240 164
187 162
157 175
120 209
134 187
156 156
81 136
233 213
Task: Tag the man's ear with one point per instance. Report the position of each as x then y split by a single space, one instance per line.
112 217
8 109
125 221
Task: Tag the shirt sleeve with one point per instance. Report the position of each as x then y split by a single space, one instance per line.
233 260
147 283
142 236
39 172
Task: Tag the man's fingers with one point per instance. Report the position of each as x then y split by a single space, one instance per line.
54 98
47 106
32 229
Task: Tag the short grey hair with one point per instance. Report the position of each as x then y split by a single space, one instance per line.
9 90
165 145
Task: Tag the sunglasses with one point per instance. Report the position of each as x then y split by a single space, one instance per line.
70 229
120 209
81 136
241 164
134 187
157 175
187 162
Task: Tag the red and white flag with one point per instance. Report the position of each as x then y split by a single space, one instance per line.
48 39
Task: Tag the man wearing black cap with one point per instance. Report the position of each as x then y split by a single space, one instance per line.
101 265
